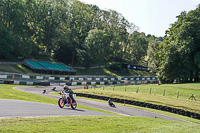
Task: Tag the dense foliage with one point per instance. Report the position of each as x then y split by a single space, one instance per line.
74 32
68 31
178 56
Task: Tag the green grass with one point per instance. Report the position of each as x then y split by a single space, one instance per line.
156 97
18 68
96 124
7 92
24 69
85 124
109 72
14 68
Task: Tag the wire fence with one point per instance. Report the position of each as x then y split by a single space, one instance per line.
190 94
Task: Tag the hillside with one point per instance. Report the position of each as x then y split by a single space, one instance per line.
18 68
14 68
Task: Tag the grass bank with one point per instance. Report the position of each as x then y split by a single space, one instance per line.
18 68
109 72
162 95
96 124
7 92
14 68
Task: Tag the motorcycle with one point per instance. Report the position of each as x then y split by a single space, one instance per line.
111 104
66 100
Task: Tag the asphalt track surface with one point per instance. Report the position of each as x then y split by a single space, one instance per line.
15 108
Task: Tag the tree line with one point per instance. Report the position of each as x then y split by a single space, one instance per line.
68 31
178 56
73 32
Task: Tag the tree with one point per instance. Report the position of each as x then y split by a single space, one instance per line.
57 29
6 43
197 59
152 55
95 47
137 48
177 55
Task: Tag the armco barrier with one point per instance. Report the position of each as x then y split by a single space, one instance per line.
143 104
8 82
106 83
45 83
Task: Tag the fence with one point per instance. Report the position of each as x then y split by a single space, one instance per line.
163 92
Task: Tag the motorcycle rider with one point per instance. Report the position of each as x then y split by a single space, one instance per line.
68 90
110 102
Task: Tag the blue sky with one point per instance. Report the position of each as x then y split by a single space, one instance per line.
151 16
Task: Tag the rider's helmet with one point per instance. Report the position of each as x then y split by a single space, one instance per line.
66 87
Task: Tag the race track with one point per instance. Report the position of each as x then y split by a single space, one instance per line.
17 108
31 109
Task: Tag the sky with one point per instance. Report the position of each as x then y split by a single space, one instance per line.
151 16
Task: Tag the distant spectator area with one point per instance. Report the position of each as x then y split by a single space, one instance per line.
49 67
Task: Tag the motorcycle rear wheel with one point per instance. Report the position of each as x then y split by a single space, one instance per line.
61 103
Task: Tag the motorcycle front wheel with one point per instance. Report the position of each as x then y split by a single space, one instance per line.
74 104
61 103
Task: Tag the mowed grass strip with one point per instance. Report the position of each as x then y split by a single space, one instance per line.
165 95
96 124
7 92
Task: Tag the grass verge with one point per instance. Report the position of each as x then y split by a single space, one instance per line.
142 93
7 92
96 124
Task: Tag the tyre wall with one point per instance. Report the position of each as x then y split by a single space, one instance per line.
146 105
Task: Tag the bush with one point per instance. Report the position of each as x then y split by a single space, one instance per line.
115 67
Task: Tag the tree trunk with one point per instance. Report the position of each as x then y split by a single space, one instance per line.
196 75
